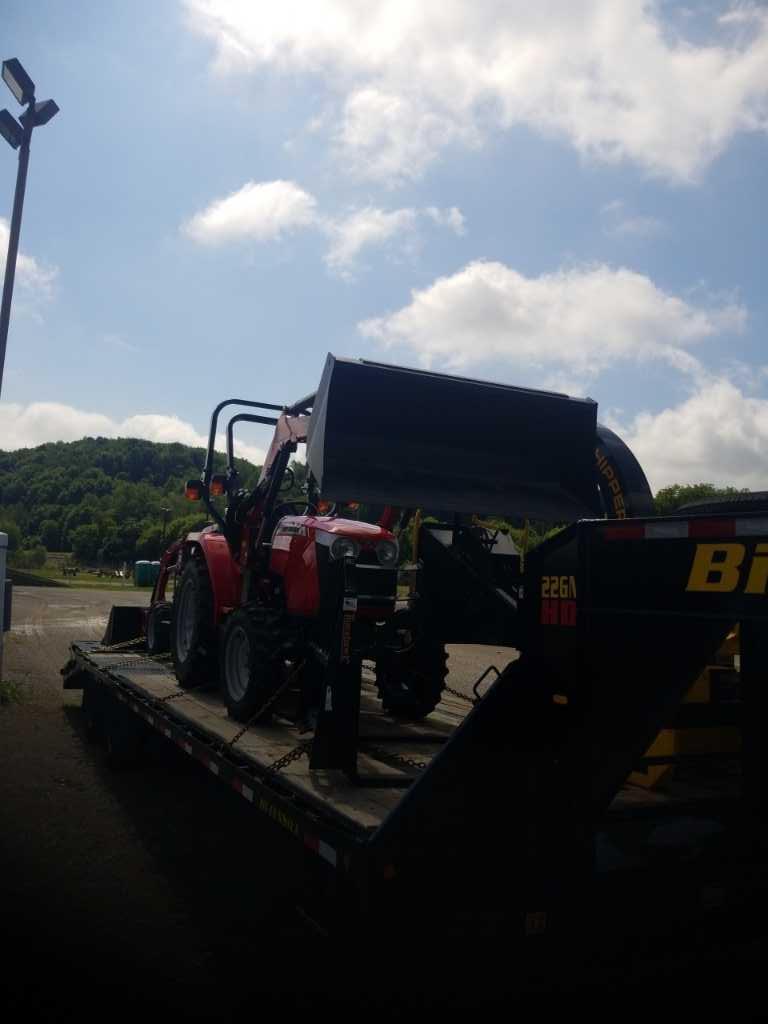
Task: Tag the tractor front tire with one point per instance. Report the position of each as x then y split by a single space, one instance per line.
251 667
159 627
411 680
193 635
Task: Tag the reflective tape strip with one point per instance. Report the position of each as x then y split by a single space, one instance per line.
624 533
327 852
242 789
750 527
705 528
662 531
694 529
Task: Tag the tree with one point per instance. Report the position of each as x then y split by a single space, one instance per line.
150 543
10 527
85 542
50 534
183 525
669 499
33 557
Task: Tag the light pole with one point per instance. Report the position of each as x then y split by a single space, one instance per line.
166 513
18 135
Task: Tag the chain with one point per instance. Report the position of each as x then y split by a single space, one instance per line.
266 706
396 760
460 695
124 645
118 665
293 755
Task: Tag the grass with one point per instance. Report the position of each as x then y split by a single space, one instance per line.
53 570
11 693
87 582
84 580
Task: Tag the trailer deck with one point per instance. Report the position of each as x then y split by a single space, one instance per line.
260 758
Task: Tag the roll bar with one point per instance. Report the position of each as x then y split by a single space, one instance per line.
208 467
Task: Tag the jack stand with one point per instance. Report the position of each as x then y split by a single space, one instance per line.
336 734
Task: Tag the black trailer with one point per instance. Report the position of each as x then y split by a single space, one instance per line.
520 792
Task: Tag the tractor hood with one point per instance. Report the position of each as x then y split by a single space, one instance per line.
388 435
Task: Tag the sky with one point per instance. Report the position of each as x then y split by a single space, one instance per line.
568 195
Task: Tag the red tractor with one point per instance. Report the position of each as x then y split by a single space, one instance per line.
264 593
258 592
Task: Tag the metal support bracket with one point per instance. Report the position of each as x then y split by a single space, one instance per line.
336 733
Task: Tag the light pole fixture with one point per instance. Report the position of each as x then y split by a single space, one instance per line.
18 81
18 134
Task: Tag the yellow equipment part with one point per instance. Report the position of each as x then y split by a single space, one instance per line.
709 740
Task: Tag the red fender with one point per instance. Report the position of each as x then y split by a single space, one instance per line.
223 570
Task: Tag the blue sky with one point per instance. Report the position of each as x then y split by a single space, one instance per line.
566 195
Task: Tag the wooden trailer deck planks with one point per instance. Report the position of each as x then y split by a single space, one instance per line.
329 791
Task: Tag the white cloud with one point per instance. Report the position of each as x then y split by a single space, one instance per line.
119 344
618 220
578 320
451 218
362 229
718 435
263 211
391 137
36 278
34 424
372 226
616 80
259 210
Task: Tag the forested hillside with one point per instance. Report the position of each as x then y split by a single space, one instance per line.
101 499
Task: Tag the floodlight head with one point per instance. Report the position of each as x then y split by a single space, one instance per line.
10 129
41 113
18 81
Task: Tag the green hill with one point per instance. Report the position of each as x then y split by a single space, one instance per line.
99 498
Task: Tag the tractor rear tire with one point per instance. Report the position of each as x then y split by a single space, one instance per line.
193 634
159 628
251 665
411 680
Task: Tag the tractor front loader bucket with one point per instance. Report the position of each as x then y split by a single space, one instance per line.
387 435
126 622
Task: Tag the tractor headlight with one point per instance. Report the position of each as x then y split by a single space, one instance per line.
387 552
345 547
